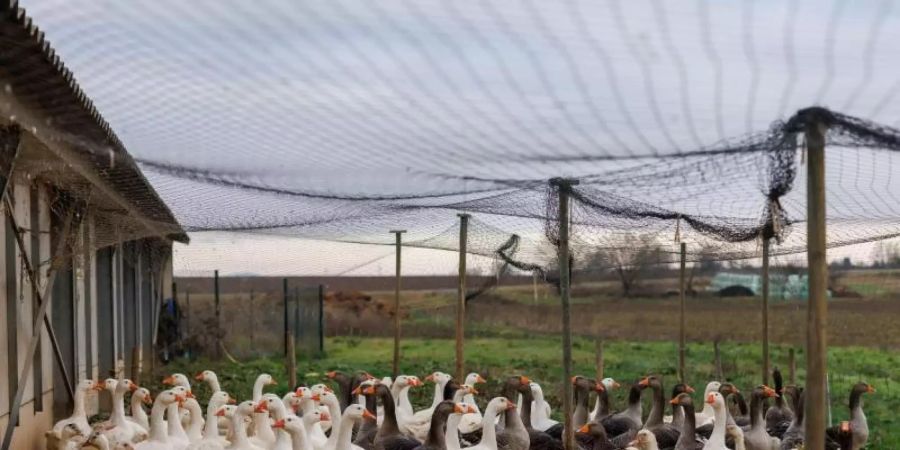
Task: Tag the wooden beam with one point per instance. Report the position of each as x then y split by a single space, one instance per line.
682 333
398 248
564 189
765 311
55 263
817 305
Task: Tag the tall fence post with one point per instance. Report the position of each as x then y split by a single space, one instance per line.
461 298
817 306
681 321
396 363
765 310
218 351
564 188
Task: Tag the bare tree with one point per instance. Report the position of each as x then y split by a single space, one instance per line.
629 258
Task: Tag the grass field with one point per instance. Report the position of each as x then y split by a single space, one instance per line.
539 358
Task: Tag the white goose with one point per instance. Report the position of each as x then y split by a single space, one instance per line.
341 438
294 426
210 378
321 390
180 379
645 440
274 406
496 406
139 398
195 429
418 425
214 411
471 421
310 421
178 438
309 407
720 416
451 435
262 429
706 415
118 429
159 436
238 425
78 419
332 406
540 420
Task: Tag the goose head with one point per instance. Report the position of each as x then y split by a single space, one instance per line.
269 403
142 395
651 381
108 385
246 408
763 391
440 378
126 385
610 383
329 399
87 386
291 424
681 388
682 399
727 389
177 379
500 404
170 396
407 380
266 380
320 389
226 411
206 375
291 401
312 418
357 412
716 400
535 389
712 386
645 440
462 408
593 429
474 378
863 388
183 392
221 398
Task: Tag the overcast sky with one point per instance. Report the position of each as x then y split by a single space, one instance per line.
360 97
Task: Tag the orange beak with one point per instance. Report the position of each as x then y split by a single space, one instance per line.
458 409
169 380
471 409
98 386
331 374
179 399
260 408
845 426
770 392
369 390
278 423
480 379
316 397
523 380
369 415
148 399
510 405
599 387
430 377
674 401
272 382
220 412
190 394
688 389
133 387
586 428
574 379
870 389
710 399
616 384
644 382
323 416
199 376
231 400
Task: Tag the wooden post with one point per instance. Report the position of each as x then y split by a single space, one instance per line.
534 285
321 320
681 321
765 311
291 358
396 365
792 367
817 305
218 351
461 298
598 362
564 188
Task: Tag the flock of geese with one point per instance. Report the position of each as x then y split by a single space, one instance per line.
360 412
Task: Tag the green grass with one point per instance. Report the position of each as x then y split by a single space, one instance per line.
539 358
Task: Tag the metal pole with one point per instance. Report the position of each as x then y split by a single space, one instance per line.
681 322
564 188
396 365
461 297
218 351
765 311
817 306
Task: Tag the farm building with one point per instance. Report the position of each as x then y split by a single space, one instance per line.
83 231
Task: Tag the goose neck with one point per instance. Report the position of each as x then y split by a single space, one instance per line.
158 430
718 433
451 437
174 421
211 428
